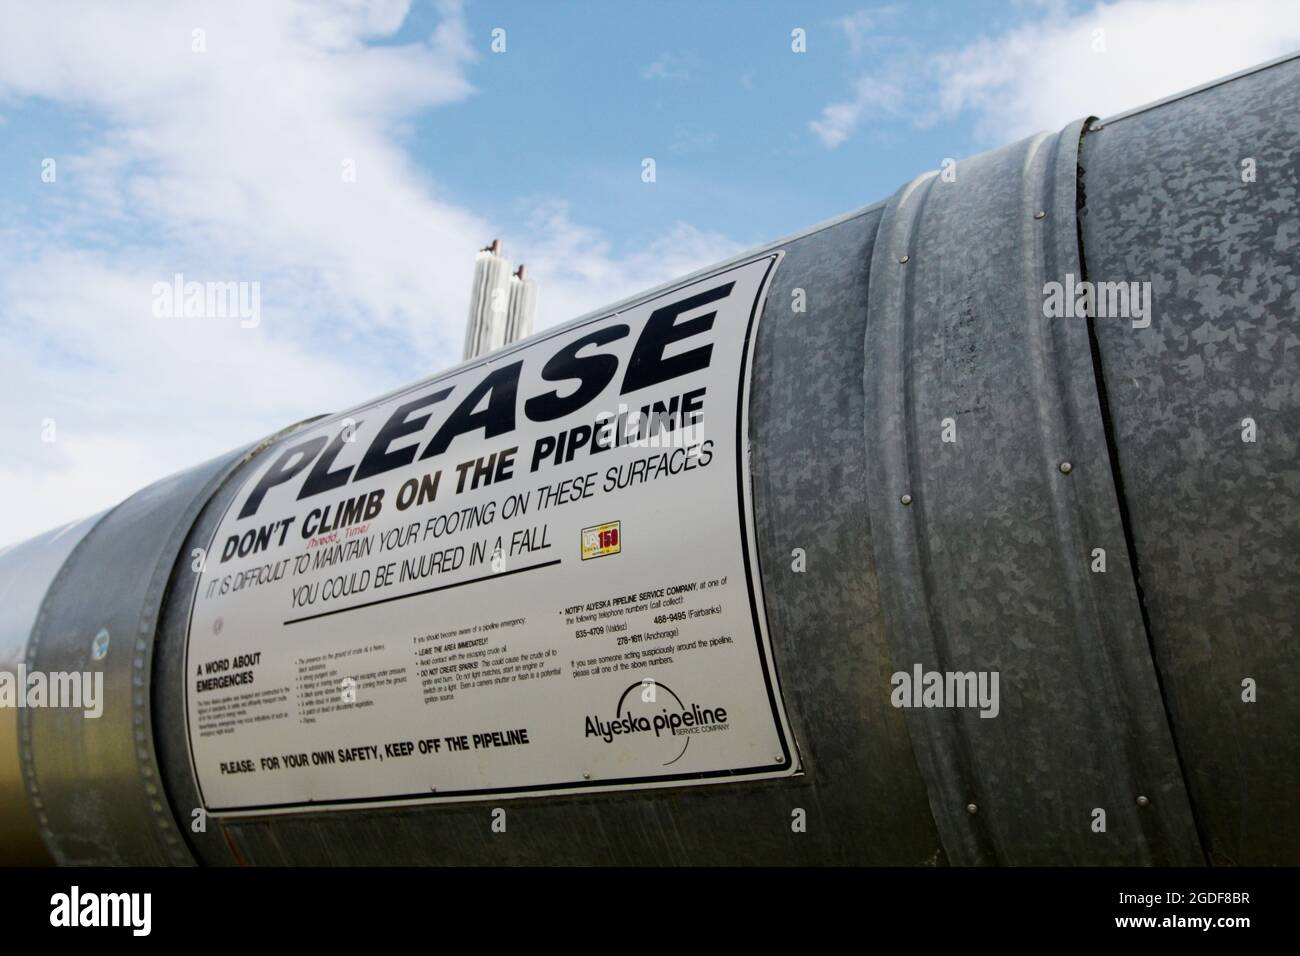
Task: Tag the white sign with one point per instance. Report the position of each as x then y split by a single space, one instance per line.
535 574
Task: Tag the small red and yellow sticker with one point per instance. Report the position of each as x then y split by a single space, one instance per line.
601 540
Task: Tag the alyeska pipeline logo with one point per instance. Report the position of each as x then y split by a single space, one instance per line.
658 711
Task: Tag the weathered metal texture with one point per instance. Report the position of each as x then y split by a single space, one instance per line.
1215 520
26 571
94 783
807 416
862 794
986 568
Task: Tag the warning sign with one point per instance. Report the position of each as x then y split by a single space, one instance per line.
534 574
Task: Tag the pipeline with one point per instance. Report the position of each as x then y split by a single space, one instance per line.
958 530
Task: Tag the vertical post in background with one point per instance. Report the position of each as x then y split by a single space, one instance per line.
501 305
522 306
488 301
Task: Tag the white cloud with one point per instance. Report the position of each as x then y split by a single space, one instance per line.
1042 77
879 93
581 271
670 66
861 28
1047 72
228 165
878 96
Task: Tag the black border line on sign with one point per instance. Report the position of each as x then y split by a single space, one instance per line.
759 625
403 597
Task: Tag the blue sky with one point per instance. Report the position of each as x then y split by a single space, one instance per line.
712 91
207 139
586 90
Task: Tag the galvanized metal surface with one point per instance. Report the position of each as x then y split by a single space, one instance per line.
1215 520
94 784
987 569
26 571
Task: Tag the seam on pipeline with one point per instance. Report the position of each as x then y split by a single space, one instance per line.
155 708
907 543
26 751
986 846
1117 475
